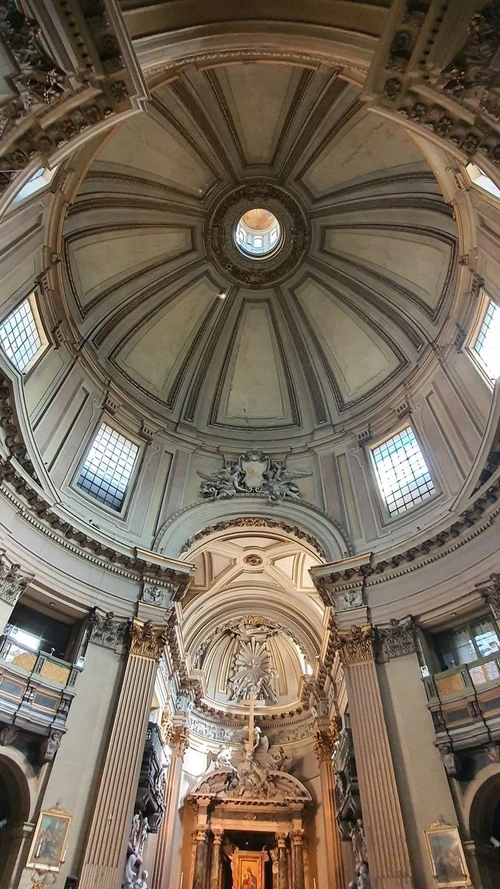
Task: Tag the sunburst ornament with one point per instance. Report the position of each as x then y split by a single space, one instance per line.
253 671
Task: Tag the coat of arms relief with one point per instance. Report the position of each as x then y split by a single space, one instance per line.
252 473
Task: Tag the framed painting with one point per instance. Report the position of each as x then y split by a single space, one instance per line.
48 847
447 857
249 870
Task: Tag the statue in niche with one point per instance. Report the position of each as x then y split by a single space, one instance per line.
358 842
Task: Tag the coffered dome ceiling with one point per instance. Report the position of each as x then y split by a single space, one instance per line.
304 337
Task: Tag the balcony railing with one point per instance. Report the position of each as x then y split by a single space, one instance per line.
465 701
36 688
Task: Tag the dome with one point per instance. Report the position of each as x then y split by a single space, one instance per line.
218 341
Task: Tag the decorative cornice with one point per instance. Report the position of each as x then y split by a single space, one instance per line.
58 108
355 645
40 514
457 99
147 640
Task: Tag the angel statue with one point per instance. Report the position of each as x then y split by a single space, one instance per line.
279 760
281 482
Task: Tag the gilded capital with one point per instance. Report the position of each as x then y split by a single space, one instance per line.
147 639
354 645
176 736
324 743
297 836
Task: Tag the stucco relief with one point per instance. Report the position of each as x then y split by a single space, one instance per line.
253 473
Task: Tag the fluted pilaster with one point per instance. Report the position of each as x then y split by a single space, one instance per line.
383 822
104 856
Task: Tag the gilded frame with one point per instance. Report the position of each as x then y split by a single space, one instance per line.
249 871
446 856
49 840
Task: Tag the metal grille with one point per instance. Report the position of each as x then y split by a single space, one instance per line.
108 467
487 345
403 476
19 336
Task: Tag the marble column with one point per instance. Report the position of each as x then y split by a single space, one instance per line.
200 858
215 863
282 861
325 748
104 856
298 858
387 848
177 738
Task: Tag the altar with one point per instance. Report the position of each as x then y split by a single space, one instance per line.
249 793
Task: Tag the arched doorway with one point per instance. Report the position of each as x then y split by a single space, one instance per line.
484 825
14 814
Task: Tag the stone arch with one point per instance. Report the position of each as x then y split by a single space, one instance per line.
483 798
303 520
16 807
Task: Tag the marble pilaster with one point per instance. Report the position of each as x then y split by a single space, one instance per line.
298 858
282 861
178 741
325 747
215 863
104 856
388 856
200 858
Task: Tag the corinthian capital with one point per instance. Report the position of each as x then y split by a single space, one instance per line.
324 744
147 639
354 645
12 581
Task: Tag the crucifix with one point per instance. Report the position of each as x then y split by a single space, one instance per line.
250 745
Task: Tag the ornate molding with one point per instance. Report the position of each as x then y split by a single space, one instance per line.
252 473
106 630
176 736
355 645
101 79
222 220
325 743
254 522
159 595
147 640
396 640
12 581
490 591
448 86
